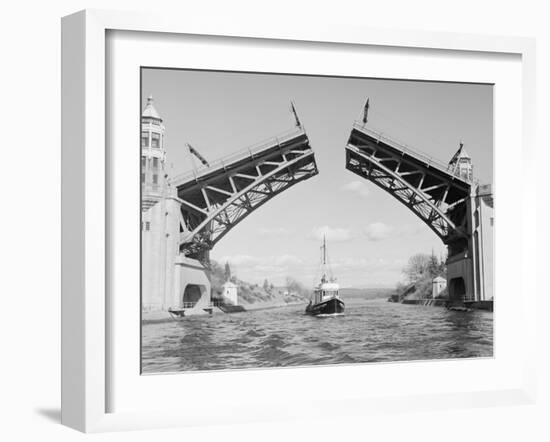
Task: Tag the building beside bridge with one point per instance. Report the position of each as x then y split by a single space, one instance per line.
230 292
438 285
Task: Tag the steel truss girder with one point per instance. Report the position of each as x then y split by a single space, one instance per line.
427 208
218 220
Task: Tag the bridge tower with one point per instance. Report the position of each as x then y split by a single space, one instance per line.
469 260
461 164
164 274
153 156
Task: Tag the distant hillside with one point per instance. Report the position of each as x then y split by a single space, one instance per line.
254 294
370 293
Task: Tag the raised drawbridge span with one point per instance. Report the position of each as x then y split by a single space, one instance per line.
421 183
215 199
455 207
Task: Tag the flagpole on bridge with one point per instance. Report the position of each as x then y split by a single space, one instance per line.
191 159
293 109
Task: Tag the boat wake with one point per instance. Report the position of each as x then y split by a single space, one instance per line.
329 315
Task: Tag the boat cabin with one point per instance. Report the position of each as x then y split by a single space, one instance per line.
325 291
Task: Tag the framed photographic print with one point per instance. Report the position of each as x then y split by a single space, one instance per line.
290 221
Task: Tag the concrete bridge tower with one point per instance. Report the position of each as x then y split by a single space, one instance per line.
461 164
159 219
170 281
153 155
470 259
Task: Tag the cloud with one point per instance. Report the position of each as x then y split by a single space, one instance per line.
349 270
377 231
367 271
366 264
288 260
264 264
275 231
413 229
334 234
239 260
358 187
261 271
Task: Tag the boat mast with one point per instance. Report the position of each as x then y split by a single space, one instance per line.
324 250
324 260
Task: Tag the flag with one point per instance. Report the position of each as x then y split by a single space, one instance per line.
366 112
298 124
198 155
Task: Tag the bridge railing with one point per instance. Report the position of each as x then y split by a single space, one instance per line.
247 152
416 153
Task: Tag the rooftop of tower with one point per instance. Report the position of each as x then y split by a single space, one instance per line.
150 111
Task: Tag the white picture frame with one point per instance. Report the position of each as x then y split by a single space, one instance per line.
86 316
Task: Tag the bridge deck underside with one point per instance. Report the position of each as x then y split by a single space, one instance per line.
435 195
218 200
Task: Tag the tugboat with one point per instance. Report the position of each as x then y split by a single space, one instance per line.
325 299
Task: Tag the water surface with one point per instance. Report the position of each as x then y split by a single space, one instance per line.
370 331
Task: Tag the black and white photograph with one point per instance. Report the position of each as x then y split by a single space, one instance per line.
292 220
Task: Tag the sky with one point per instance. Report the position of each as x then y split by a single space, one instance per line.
370 235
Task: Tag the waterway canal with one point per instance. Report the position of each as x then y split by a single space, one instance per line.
370 331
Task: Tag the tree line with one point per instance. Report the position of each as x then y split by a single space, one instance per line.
421 266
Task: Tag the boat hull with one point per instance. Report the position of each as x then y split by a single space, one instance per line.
333 306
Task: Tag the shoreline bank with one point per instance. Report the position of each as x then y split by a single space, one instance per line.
475 305
160 316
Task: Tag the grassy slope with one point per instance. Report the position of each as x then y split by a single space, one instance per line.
421 289
254 293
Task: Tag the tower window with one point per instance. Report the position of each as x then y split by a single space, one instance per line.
144 138
155 178
143 163
147 225
142 178
155 140
155 163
